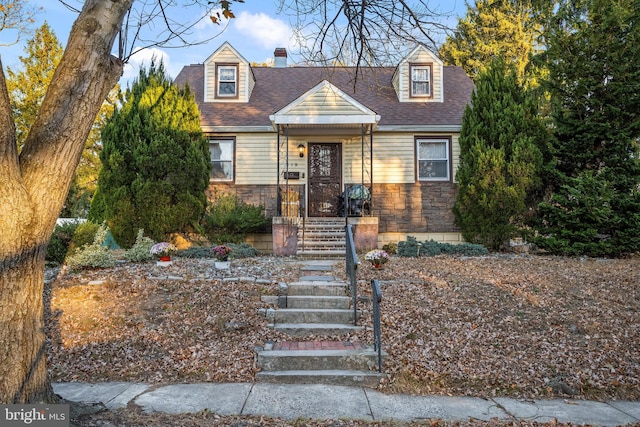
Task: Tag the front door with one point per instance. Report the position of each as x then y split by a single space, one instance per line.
325 178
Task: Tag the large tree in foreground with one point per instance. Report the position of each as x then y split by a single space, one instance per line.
500 158
35 184
36 181
593 58
155 161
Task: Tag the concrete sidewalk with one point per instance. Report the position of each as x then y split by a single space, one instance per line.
313 401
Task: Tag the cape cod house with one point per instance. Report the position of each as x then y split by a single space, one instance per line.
298 139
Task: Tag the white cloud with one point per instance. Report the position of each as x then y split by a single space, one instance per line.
142 57
263 29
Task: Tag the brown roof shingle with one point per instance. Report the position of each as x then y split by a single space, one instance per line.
277 87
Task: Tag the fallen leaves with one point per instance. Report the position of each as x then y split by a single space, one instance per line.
520 326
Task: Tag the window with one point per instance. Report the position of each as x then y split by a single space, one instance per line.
222 154
227 79
433 159
421 80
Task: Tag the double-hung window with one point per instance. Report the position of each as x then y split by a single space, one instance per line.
420 80
222 159
227 81
433 159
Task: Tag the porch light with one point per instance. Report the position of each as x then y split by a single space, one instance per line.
301 150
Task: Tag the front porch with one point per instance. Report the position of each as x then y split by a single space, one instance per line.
324 174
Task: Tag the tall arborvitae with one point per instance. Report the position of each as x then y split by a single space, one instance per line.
155 161
500 158
593 58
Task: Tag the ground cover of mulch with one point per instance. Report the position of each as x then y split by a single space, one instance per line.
503 325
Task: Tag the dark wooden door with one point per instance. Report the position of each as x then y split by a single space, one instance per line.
325 179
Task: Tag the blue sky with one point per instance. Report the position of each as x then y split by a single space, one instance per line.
255 32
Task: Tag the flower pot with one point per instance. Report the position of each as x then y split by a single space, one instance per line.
223 265
377 266
165 258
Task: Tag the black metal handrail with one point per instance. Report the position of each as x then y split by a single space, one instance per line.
352 268
377 340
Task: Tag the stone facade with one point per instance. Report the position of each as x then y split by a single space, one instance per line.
423 207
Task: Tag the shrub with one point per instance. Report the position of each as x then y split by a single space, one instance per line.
85 235
390 248
95 255
229 219
412 248
60 242
471 249
141 249
242 250
430 248
408 248
194 252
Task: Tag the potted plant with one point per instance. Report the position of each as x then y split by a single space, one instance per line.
221 254
163 251
377 257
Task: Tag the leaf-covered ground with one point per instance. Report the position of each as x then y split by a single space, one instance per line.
504 325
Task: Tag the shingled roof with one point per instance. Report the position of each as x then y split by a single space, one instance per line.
275 88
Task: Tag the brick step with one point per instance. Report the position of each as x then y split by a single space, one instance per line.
311 315
303 301
321 235
316 329
320 254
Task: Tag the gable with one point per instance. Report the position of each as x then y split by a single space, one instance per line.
324 104
402 80
227 58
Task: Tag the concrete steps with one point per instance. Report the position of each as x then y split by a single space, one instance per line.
332 377
316 306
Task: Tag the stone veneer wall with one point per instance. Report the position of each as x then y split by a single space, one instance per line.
423 210
414 208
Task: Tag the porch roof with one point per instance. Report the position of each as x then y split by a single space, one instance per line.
324 105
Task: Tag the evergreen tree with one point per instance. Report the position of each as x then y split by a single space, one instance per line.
501 154
155 161
593 58
490 29
28 87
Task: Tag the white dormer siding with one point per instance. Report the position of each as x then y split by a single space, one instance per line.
425 68
226 69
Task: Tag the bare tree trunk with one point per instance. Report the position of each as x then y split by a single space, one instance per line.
34 187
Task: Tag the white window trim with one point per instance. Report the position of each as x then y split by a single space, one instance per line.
447 142
219 69
232 160
429 81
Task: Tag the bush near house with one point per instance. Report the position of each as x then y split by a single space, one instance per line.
229 219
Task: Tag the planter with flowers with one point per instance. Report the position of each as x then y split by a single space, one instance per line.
221 254
163 251
377 257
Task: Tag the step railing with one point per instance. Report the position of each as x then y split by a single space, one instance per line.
352 268
377 339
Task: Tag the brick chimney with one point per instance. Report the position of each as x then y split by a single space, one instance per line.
280 57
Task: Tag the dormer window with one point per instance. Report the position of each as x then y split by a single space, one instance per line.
420 80
227 81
